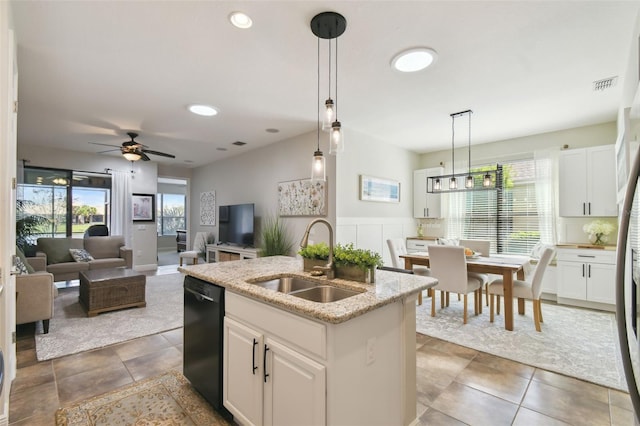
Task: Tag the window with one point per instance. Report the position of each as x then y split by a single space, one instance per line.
171 213
68 200
508 218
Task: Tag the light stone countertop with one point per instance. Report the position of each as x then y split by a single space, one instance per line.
236 276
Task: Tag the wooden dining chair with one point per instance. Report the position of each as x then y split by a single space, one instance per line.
524 289
449 266
483 247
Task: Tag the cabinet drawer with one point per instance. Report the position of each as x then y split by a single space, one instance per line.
587 255
418 245
297 331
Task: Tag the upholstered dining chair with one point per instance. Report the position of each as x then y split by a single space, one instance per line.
449 265
199 243
524 289
398 247
483 247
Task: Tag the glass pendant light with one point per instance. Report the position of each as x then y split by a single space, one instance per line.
486 182
453 183
329 107
336 139
437 186
318 166
469 181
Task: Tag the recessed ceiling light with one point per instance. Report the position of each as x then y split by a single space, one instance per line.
240 20
221 149
206 110
272 130
415 59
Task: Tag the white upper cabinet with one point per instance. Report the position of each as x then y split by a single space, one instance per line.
426 205
588 182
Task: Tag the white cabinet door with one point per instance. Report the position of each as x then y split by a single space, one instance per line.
243 372
426 205
572 283
572 171
295 388
600 283
601 181
587 182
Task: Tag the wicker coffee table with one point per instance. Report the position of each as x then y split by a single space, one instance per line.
104 290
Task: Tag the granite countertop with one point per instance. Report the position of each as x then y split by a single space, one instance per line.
236 276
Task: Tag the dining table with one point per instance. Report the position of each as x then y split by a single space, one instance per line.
506 266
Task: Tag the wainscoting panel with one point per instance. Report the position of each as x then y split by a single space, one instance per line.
372 233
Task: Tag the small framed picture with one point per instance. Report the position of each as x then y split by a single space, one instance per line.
379 189
144 207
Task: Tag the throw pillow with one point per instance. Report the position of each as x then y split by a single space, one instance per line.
448 241
80 255
21 268
23 258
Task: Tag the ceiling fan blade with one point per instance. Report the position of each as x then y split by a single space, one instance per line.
104 144
143 156
108 150
163 154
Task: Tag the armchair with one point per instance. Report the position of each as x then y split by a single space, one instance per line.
34 298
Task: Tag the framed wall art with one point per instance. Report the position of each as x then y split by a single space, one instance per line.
208 208
144 207
302 198
379 189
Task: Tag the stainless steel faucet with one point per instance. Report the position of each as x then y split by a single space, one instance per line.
329 268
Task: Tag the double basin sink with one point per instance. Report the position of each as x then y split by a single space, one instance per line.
305 289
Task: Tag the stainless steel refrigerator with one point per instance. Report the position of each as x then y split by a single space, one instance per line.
627 283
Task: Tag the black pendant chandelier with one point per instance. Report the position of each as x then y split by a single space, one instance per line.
472 180
329 26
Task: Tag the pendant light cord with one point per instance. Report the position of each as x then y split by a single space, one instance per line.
453 137
329 76
318 103
469 143
336 77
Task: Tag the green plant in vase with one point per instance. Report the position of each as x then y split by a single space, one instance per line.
275 240
314 255
356 264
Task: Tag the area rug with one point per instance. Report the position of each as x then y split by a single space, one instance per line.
575 342
168 399
71 331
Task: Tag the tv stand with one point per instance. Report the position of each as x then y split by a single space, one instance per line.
226 252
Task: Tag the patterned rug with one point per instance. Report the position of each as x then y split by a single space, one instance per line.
71 331
575 342
168 399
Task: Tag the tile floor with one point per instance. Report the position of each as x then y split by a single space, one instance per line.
456 385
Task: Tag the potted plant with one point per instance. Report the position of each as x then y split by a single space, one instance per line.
314 255
275 240
356 264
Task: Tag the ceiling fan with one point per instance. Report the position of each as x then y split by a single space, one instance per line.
134 151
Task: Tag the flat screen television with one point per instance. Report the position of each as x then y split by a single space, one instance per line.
235 224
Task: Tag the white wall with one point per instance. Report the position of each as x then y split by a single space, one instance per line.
145 181
253 177
599 134
369 224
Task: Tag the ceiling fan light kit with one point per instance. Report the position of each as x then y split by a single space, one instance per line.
134 151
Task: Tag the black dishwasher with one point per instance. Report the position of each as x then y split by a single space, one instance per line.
203 338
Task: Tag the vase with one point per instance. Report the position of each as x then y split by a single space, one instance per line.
354 273
308 264
598 239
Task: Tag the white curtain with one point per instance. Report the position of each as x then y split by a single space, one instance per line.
546 163
121 219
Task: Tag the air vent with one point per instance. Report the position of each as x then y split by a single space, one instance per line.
604 84
239 143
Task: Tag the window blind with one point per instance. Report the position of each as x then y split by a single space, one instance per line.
507 218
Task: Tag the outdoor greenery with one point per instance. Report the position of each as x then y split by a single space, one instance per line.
28 225
275 239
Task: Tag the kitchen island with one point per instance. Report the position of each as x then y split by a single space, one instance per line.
288 360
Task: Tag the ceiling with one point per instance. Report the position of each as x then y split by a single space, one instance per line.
90 71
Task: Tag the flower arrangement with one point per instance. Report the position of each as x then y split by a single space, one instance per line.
598 230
